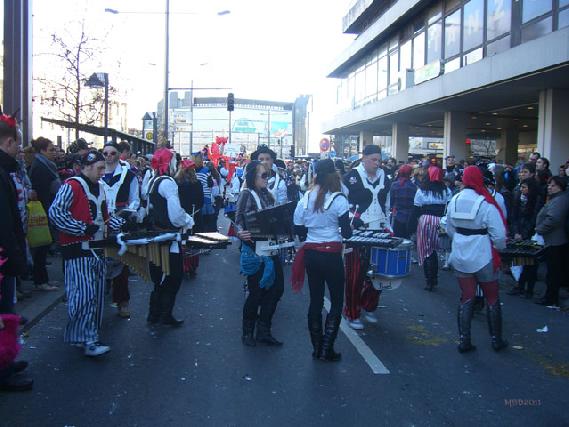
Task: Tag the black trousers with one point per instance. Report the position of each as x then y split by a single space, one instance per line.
163 297
263 301
39 257
402 229
7 294
325 268
555 257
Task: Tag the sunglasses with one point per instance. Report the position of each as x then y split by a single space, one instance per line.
113 153
264 175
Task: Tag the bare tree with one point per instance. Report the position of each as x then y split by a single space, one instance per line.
66 90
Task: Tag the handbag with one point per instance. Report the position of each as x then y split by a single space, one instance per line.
38 227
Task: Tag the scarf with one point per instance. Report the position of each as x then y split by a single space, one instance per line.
250 263
473 179
298 267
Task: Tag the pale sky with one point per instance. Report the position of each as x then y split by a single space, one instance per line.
265 49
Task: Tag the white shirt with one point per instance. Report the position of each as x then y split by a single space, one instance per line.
468 209
322 226
428 198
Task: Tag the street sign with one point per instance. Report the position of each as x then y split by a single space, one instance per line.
324 145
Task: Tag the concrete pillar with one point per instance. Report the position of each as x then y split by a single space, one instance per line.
366 138
553 126
400 142
455 123
507 146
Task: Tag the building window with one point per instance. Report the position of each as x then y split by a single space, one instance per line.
405 62
533 8
498 46
393 72
537 29
473 24
499 17
473 56
434 33
452 34
435 13
563 3
371 81
564 18
382 77
452 65
360 85
419 51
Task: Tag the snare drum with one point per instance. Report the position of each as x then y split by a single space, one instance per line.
391 263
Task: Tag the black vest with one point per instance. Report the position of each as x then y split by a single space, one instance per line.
158 210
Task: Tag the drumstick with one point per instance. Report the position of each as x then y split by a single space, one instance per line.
355 212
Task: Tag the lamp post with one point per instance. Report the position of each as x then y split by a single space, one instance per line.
167 53
101 80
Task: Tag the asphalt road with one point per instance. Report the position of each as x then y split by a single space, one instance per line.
201 374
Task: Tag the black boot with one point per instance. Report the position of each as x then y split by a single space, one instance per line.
264 334
315 328
529 290
494 314
327 352
464 319
167 302
248 337
434 269
154 308
427 269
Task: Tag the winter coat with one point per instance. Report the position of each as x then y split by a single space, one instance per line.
552 218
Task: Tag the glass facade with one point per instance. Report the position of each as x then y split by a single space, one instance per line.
444 37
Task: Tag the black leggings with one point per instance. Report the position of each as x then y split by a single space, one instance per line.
264 298
321 268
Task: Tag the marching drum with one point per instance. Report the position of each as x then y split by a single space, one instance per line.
388 266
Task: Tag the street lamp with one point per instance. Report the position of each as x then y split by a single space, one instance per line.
167 53
98 80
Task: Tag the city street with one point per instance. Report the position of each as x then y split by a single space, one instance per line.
201 374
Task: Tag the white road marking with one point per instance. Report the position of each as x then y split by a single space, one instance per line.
368 355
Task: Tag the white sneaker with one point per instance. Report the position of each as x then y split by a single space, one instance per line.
356 324
370 317
96 349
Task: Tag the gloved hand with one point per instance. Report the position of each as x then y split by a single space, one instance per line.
91 229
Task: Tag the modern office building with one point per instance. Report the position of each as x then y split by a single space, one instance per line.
459 70
197 121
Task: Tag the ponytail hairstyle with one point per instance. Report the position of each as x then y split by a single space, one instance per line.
327 180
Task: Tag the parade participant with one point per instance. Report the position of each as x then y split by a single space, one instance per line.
368 187
478 229
166 214
430 204
401 198
80 214
121 192
318 218
264 274
276 184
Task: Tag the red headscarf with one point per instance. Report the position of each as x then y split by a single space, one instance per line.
188 164
404 173
435 174
472 178
161 160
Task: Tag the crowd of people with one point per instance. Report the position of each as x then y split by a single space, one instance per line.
86 193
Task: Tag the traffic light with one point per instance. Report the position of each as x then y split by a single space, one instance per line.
292 151
230 102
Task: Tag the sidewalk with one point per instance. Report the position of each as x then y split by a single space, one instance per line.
41 302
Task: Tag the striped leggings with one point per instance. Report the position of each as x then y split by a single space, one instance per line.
85 287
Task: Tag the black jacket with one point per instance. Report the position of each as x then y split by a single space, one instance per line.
44 183
12 237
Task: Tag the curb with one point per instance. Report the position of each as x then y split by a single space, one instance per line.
34 320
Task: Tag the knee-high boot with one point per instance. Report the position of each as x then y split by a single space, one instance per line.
428 274
315 329
465 311
248 337
494 314
327 352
